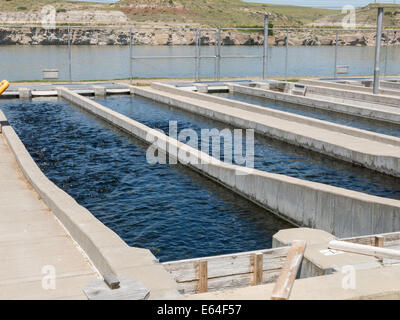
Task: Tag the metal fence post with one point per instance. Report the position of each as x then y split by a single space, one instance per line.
219 54
336 53
265 53
216 54
378 49
287 54
386 52
69 55
130 56
197 62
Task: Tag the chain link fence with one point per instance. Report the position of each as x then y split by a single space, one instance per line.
131 52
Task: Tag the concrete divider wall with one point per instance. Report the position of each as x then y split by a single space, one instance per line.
276 113
336 210
354 95
390 85
354 110
381 157
106 250
335 85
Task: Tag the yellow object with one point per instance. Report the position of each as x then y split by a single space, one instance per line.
3 86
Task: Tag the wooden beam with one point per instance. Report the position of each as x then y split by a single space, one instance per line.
112 281
284 284
364 249
257 263
379 241
203 277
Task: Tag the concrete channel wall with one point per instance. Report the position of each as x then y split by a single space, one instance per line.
350 109
339 211
355 132
388 85
371 150
106 250
351 94
348 87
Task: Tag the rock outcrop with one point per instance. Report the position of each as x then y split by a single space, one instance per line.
177 36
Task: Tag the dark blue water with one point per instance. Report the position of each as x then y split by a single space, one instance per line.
270 155
170 210
339 118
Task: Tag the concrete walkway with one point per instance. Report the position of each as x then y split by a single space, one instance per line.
31 239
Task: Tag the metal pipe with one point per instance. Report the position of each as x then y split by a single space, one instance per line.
336 54
378 49
130 56
197 59
172 57
69 55
287 54
265 53
219 54
244 56
386 52
216 55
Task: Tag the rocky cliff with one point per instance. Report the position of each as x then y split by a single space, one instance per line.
160 36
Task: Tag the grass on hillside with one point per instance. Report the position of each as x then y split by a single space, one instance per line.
225 13
219 12
60 5
366 16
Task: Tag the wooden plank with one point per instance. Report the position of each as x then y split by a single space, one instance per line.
379 241
229 282
364 249
111 280
369 239
284 284
247 253
392 244
257 263
203 277
226 265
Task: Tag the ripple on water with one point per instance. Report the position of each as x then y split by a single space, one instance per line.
170 210
270 155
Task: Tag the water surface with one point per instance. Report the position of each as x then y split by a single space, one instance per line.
390 129
112 62
269 155
170 210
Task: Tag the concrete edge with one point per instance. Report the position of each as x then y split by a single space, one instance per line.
383 99
304 203
363 112
349 87
105 249
387 162
281 114
378 283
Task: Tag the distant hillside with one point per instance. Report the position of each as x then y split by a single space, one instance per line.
206 12
232 13
365 17
218 12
